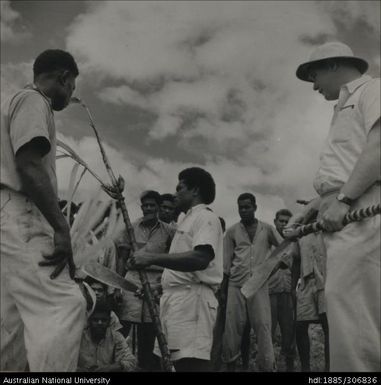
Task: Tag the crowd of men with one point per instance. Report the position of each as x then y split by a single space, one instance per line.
53 321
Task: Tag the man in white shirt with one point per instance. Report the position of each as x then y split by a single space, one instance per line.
349 178
193 272
42 308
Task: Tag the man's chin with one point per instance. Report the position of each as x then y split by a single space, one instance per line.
59 106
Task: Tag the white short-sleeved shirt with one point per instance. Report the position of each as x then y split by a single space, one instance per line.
199 226
26 115
357 110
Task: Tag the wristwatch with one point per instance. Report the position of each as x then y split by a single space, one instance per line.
344 199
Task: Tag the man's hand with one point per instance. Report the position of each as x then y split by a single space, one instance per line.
62 255
140 260
333 217
295 220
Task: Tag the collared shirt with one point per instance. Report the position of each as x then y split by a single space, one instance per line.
199 226
112 349
156 240
357 110
241 255
26 115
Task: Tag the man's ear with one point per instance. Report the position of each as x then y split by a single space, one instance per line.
196 191
63 76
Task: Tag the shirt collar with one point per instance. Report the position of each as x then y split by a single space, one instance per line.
32 86
352 86
140 223
243 226
198 207
193 209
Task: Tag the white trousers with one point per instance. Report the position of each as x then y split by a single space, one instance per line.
41 319
353 291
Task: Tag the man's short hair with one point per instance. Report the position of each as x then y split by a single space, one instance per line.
284 212
150 194
55 60
196 177
167 197
248 196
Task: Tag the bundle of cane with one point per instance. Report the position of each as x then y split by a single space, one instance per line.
95 223
115 191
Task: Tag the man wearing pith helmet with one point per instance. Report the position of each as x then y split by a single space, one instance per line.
348 178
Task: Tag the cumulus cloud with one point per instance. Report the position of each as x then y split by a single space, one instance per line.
12 30
210 84
219 77
14 76
225 72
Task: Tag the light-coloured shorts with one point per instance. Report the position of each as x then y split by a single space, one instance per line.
309 301
188 315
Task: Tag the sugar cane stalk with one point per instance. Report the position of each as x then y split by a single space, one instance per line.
352 216
115 191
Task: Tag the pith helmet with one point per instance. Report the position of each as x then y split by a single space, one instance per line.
332 50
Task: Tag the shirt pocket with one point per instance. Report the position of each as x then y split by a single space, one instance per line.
341 130
182 239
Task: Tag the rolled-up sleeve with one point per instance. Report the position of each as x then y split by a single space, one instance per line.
206 232
30 120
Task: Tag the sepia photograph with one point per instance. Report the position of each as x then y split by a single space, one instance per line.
190 186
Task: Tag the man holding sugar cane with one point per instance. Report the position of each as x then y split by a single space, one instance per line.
348 178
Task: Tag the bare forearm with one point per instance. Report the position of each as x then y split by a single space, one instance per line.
367 169
188 261
40 190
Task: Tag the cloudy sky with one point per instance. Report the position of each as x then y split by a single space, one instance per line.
178 84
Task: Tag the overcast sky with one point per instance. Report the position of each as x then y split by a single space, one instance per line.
179 84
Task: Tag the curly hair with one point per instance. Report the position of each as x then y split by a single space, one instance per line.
196 177
55 60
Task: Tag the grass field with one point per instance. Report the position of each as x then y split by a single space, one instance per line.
316 352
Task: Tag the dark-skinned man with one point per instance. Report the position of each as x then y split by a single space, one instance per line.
104 349
42 308
246 245
152 235
193 272
167 211
282 306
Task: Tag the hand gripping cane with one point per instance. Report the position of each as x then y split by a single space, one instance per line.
115 191
352 216
272 263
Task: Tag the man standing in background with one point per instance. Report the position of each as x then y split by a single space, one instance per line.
282 306
152 235
246 245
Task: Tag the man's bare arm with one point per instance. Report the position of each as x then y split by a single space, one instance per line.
38 187
197 259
